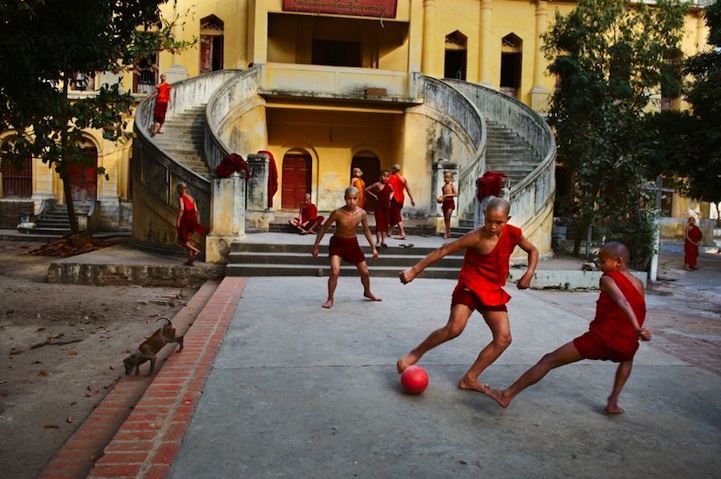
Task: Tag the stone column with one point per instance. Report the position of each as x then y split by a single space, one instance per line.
539 93
227 217
484 47
440 168
258 214
429 63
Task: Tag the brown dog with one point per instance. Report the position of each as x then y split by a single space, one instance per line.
151 346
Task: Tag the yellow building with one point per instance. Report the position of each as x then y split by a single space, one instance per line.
325 86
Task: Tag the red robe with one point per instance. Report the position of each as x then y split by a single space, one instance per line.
189 221
486 275
690 250
610 327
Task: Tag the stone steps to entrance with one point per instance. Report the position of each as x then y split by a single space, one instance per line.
266 259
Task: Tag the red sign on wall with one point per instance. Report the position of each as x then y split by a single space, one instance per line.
363 8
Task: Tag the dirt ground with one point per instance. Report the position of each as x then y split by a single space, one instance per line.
61 351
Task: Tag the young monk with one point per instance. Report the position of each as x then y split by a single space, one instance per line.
382 192
449 192
344 244
480 287
691 238
187 222
360 185
613 334
307 218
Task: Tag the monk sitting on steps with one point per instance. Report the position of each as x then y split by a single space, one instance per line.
613 334
480 287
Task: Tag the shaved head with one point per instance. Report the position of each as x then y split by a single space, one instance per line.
499 204
351 190
616 250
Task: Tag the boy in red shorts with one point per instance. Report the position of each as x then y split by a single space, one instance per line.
612 336
480 287
344 244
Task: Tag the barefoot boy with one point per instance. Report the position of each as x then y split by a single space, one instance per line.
613 334
344 244
382 192
449 192
484 272
307 218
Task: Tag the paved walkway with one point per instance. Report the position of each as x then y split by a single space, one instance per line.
272 385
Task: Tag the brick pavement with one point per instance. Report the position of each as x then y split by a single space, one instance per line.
137 429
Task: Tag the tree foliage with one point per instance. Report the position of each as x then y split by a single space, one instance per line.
609 56
686 147
43 44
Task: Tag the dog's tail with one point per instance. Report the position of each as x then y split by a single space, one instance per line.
163 317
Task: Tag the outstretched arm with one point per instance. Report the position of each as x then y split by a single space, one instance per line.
464 242
368 235
527 246
611 288
321 232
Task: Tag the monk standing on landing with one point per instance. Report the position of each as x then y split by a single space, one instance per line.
344 244
484 272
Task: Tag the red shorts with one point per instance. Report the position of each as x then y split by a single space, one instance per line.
396 208
448 204
463 295
383 218
590 346
347 248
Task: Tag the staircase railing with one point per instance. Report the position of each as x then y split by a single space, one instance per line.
456 114
156 174
533 196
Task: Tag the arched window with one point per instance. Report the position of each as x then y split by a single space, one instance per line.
211 44
511 65
456 54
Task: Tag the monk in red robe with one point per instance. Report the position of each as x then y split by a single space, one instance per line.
188 222
307 217
612 336
480 287
691 238
382 191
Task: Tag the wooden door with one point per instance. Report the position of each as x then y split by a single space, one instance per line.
84 179
295 180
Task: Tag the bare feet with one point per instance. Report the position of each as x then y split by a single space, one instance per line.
303 232
328 304
378 245
371 296
311 232
405 361
400 237
383 245
687 268
498 396
612 407
470 384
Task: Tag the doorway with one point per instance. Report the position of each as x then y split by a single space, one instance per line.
296 179
84 178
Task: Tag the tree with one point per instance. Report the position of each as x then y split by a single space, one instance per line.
686 146
608 56
43 44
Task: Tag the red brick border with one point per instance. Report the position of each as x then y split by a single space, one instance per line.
148 438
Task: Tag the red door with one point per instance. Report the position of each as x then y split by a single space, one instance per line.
296 180
84 179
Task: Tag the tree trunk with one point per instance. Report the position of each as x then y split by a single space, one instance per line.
63 170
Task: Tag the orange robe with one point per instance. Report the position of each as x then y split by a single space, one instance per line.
360 185
486 275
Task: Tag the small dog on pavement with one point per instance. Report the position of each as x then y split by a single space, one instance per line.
150 347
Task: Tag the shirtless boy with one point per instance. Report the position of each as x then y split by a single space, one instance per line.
344 244
613 334
480 287
449 204
382 191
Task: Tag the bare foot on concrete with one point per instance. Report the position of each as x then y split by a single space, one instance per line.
471 384
328 304
499 396
371 296
612 407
